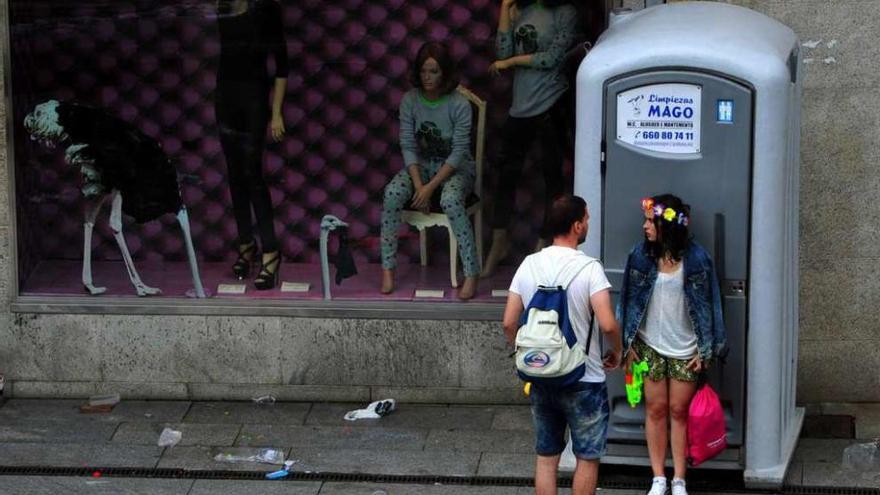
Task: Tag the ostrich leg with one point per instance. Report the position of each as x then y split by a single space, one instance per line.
92 211
116 225
328 224
183 219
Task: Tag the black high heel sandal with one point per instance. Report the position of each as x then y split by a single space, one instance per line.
268 278
242 266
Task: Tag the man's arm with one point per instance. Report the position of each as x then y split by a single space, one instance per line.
601 303
512 313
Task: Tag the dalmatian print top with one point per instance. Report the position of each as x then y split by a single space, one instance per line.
436 132
546 33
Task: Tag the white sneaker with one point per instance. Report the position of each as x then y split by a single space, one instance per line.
678 487
658 486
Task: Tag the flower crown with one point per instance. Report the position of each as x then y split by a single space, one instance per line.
660 210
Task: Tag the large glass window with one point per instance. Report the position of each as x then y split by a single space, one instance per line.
125 97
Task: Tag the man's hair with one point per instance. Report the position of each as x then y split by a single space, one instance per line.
563 213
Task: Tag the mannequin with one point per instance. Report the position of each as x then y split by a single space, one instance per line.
533 40
250 31
435 134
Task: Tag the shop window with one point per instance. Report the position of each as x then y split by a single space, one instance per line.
146 72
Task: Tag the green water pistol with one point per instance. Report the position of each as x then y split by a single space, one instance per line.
634 380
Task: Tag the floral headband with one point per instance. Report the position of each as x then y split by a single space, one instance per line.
660 210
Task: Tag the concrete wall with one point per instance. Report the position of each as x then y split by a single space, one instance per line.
205 357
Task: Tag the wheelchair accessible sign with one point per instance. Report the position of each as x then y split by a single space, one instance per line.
661 117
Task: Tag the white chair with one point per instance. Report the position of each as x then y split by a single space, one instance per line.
422 221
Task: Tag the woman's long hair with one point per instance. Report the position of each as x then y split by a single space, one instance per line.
672 236
439 52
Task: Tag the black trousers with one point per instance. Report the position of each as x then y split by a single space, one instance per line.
546 130
242 116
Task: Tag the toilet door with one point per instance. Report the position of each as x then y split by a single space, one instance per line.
688 134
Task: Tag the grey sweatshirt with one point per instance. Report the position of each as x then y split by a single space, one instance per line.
546 34
436 132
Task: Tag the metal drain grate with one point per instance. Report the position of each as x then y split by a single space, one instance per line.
611 477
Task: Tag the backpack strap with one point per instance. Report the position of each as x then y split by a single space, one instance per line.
590 332
574 274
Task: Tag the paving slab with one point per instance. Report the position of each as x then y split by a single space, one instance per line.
795 474
332 437
68 431
66 410
281 413
513 418
193 433
510 442
53 485
78 455
268 487
514 465
406 416
827 474
377 461
202 458
399 489
821 450
45 410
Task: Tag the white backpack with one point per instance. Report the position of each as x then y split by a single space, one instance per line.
547 350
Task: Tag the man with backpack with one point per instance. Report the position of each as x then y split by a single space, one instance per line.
553 299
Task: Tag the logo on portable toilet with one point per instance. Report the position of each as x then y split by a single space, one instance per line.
671 106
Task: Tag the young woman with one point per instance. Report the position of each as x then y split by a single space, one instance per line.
250 31
670 312
533 39
435 136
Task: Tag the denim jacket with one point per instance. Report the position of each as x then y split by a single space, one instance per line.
701 292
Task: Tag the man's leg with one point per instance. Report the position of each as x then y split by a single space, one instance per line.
586 475
545 474
550 424
588 411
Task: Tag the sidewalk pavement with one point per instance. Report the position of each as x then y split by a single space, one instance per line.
438 440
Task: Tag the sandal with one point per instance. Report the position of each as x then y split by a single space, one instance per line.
269 271
242 266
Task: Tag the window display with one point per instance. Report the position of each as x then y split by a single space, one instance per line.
220 134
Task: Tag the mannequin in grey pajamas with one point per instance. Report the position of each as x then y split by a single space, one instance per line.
435 133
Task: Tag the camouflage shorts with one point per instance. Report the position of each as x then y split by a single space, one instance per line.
661 367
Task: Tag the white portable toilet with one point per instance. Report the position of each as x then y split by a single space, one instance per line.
702 100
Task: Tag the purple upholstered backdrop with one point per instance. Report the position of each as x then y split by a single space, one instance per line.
153 63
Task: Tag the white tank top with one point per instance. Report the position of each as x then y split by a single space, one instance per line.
667 327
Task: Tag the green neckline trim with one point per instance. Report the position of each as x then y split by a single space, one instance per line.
432 103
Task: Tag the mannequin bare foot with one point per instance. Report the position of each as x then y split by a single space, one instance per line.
500 248
387 282
468 289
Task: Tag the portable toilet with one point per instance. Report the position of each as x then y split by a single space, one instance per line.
702 100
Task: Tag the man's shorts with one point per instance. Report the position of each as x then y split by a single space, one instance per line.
582 407
661 367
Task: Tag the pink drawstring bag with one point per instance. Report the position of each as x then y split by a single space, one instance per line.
706 428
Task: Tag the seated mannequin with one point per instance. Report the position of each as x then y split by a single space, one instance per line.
435 133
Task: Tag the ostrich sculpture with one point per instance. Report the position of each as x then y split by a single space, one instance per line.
118 163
